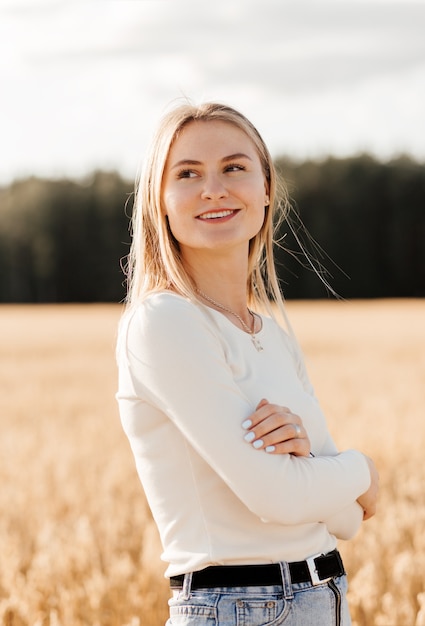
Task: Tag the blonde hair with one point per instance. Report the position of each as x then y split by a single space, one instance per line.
154 263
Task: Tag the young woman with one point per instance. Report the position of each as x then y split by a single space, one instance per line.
243 479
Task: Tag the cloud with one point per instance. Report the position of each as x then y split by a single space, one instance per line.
83 82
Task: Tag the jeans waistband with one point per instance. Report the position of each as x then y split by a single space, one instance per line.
316 570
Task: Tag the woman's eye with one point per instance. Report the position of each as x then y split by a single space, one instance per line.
234 167
186 174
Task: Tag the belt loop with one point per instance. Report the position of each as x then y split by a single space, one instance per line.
286 580
187 586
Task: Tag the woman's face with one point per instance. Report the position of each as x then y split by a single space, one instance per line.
214 190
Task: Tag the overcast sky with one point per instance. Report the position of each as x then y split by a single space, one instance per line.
82 83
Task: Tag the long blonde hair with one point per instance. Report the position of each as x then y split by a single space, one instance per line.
154 262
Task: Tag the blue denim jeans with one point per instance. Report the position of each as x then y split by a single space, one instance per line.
300 604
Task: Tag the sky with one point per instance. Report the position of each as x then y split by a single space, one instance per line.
83 83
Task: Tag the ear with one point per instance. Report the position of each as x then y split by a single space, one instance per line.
266 193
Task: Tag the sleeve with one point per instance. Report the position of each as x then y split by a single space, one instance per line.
345 523
177 363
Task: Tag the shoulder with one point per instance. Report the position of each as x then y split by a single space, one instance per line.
157 303
273 329
166 308
165 319
165 301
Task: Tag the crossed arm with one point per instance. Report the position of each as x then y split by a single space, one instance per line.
276 430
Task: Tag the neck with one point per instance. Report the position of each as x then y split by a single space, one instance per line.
223 279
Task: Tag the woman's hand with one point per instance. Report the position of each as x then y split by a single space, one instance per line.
276 430
369 499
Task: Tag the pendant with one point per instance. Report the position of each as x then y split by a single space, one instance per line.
257 344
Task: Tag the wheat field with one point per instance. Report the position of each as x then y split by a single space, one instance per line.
77 544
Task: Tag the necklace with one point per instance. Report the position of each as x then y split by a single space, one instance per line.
247 329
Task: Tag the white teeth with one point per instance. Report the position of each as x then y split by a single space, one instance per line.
215 214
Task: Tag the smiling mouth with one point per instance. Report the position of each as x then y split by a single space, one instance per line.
214 215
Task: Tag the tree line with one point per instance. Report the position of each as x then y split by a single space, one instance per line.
65 240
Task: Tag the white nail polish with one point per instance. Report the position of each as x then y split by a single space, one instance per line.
270 449
247 424
258 443
249 437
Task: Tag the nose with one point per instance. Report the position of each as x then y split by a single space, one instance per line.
214 189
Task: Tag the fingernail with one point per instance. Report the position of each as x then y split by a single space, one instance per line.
270 449
247 424
258 443
249 437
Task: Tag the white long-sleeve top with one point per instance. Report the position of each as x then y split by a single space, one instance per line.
188 378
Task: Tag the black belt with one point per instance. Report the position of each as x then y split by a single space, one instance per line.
315 570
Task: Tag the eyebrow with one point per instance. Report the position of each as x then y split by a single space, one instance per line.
226 159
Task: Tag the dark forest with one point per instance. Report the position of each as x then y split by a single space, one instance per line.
65 240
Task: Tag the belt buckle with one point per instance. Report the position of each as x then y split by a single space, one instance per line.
313 571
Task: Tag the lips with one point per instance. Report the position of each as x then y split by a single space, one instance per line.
214 215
